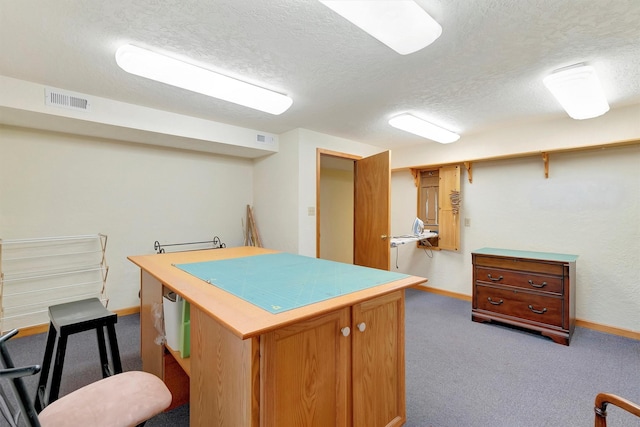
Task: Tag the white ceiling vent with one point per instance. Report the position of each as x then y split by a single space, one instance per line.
265 139
64 99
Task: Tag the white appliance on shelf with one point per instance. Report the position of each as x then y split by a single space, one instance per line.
417 233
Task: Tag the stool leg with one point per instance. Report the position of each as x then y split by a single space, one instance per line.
40 400
57 368
115 351
104 361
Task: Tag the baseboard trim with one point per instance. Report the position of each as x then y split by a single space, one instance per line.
609 329
443 292
635 335
32 330
39 329
128 311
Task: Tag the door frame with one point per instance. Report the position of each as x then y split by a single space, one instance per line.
319 153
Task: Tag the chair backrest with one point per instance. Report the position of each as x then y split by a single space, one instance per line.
14 375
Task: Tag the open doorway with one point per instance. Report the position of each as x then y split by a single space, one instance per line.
335 206
353 224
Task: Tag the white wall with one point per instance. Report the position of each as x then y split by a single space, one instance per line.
589 206
55 184
276 196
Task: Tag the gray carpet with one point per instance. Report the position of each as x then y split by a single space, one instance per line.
459 373
463 373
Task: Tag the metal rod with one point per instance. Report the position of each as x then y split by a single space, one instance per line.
215 242
52 255
189 243
65 273
39 291
51 239
74 298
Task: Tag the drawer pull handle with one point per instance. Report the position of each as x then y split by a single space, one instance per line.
542 285
498 302
494 279
543 311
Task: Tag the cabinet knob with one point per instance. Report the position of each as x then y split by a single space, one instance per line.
362 326
345 331
383 237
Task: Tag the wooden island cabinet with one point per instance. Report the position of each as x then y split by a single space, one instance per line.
337 362
532 290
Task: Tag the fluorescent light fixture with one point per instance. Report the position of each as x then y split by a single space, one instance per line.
416 126
400 24
154 66
578 90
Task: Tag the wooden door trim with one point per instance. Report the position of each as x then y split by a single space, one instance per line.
319 153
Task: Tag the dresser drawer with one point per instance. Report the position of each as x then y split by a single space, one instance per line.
520 264
523 305
524 280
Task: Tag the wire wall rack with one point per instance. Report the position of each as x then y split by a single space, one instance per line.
39 272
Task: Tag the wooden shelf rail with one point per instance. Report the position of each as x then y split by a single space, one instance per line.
468 164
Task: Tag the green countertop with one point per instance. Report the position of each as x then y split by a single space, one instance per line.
281 281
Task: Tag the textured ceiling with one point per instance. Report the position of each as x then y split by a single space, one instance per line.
484 71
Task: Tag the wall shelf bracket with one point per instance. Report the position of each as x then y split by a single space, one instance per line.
469 167
416 176
545 159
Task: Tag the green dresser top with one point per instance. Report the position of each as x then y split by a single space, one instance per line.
549 256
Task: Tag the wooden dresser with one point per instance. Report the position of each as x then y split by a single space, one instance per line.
532 290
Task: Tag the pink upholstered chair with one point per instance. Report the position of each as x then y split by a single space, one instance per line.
122 400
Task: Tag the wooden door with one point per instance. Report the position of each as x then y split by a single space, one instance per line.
372 211
448 215
378 362
305 373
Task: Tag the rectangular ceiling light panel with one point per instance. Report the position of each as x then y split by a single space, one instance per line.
400 24
161 68
578 90
416 126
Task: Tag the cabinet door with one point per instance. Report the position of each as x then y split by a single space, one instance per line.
448 212
378 362
305 373
439 204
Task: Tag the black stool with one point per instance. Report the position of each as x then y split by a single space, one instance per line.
71 318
